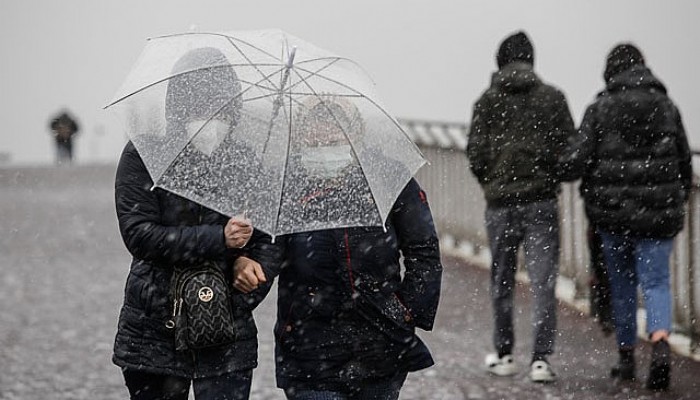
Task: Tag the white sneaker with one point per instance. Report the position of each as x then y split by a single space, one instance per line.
541 371
504 366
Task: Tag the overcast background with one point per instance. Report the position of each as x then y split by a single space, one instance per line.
430 59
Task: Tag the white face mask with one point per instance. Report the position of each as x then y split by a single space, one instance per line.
210 136
326 161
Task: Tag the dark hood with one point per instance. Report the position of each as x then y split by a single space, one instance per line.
203 85
515 48
515 77
621 58
638 76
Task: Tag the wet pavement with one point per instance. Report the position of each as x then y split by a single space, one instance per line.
62 271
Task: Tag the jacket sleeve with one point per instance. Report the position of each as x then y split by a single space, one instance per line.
261 249
577 156
684 155
563 134
418 242
478 146
139 215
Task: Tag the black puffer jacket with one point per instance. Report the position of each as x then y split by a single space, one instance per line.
161 230
519 128
345 315
634 156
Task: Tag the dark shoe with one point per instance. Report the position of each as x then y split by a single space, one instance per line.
660 368
624 370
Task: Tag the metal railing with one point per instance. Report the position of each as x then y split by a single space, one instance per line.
458 205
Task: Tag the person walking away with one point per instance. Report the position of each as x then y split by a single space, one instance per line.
346 317
64 128
165 232
636 173
519 127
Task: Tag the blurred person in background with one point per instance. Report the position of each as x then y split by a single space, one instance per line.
64 127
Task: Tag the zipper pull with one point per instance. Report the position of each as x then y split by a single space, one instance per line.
170 324
179 306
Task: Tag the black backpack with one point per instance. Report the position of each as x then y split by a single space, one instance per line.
202 307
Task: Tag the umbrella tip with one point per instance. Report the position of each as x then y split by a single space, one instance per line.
290 60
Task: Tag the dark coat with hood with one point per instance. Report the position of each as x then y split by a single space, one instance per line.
64 127
519 128
633 157
345 314
161 231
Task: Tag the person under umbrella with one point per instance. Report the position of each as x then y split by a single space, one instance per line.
346 319
163 230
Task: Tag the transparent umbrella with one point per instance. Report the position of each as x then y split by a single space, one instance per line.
265 123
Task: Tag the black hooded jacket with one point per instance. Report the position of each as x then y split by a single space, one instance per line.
634 158
162 230
519 128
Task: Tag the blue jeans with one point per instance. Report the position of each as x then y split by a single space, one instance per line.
633 261
146 386
380 390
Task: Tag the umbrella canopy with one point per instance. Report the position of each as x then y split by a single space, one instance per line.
265 123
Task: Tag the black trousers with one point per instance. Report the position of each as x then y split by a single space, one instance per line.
147 386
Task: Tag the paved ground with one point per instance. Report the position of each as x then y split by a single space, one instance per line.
62 271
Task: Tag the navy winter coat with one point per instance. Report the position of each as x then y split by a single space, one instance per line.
633 155
162 230
345 313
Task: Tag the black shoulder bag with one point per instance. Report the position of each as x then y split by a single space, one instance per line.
202 308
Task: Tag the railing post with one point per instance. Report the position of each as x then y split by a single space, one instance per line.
692 315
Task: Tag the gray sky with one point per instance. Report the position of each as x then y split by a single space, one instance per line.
430 59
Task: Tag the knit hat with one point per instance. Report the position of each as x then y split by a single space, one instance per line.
516 47
621 58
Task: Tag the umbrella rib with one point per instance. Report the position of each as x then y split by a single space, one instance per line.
230 40
216 34
175 76
275 94
280 95
352 146
336 59
392 119
313 73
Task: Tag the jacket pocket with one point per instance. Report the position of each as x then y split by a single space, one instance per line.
386 312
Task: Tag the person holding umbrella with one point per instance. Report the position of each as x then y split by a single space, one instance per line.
164 231
346 318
